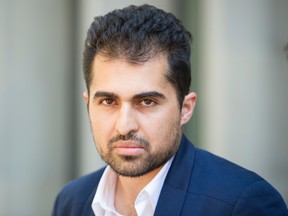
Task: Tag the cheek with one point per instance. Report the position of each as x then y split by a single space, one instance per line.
102 128
161 126
100 121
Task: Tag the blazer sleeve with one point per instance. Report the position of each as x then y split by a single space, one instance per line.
56 210
66 205
62 206
76 197
260 198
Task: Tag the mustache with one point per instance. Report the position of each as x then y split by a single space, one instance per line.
141 141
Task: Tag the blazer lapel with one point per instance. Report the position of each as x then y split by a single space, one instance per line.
87 209
87 206
176 184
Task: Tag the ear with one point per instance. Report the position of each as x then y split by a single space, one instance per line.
86 97
188 107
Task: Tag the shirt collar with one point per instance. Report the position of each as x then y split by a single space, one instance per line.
153 188
146 201
104 197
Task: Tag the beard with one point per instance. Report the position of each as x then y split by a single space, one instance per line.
136 166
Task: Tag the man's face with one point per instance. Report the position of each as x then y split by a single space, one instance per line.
134 114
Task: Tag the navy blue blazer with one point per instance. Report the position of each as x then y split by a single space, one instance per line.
197 184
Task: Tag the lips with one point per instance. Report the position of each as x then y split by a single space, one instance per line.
128 148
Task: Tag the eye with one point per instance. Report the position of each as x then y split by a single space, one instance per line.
108 101
147 102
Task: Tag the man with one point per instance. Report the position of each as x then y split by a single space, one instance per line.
137 72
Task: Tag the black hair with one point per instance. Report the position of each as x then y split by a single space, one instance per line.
137 34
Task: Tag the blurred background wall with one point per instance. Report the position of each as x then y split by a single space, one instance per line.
239 68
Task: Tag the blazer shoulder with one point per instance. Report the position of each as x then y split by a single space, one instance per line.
77 193
225 181
260 198
222 169
82 185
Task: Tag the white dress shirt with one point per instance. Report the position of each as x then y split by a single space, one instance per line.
145 203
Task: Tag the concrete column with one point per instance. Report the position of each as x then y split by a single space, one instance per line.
35 104
243 78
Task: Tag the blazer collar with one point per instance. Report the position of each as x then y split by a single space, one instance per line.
176 184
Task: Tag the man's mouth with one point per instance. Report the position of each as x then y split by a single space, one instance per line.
128 148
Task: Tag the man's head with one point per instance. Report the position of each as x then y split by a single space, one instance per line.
137 71
137 34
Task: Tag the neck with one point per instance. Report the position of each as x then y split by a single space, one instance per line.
127 190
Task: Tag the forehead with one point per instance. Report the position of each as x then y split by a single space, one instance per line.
117 74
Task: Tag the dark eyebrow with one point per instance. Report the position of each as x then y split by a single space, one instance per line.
153 94
105 94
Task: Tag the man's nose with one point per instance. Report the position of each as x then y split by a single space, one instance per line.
127 120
